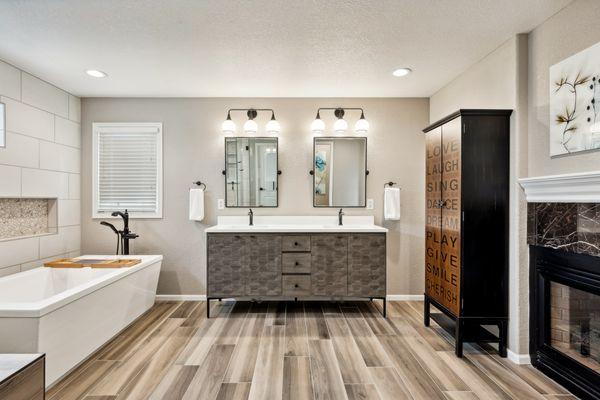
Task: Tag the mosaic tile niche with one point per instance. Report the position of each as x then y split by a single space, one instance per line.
26 217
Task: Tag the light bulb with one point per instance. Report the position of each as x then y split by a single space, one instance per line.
250 127
340 126
228 126
273 127
318 126
362 125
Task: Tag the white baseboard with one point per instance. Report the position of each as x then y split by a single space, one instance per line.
518 358
405 297
180 297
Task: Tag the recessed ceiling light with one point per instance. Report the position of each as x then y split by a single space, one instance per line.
96 74
401 72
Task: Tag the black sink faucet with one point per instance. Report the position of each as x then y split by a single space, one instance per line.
251 215
340 214
125 235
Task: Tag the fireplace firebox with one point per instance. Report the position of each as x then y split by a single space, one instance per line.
565 318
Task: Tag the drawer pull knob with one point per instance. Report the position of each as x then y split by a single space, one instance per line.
295 243
296 285
297 263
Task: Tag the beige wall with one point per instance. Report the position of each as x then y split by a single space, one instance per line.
41 159
568 32
490 83
499 80
193 150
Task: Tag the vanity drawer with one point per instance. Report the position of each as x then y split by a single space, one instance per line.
295 243
296 285
296 263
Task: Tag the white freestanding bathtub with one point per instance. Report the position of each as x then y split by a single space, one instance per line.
68 313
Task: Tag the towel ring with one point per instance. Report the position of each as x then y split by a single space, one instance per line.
390 184
201 184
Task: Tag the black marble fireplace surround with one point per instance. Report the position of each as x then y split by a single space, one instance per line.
570 227
564 241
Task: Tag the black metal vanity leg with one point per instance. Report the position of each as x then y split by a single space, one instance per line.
503 336
384 307
207 307
458 347
426 311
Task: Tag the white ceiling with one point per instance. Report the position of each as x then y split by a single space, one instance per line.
243 48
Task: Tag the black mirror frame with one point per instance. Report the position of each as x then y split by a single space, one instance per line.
312 172
224 172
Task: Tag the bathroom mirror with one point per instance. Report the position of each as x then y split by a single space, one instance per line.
251 171
339 171
2 125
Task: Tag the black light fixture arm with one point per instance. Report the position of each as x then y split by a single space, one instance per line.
250 112
339 112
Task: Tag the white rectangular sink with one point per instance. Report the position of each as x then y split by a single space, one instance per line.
310 224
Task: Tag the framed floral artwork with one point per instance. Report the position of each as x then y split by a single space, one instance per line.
575 103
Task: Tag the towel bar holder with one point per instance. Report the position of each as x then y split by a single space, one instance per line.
390 184
201 184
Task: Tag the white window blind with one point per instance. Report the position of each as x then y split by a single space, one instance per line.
128 169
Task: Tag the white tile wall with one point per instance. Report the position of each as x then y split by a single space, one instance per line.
67 132
10 81
41 183
41 159
74 108
69 213
20 151
9 270
28 120
67 239
44 96
10 181
58 157
18 251
74 186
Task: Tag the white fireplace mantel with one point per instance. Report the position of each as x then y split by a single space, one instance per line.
568 188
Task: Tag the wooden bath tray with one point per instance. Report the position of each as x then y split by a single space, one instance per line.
92 262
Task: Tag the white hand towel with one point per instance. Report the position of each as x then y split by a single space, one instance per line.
196 204
391 203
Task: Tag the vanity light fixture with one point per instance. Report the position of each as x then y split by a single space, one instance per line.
96 73
401 72
340 125
318 126
250 126
273 126
362 125
228 126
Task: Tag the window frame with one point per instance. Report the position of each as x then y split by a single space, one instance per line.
98 127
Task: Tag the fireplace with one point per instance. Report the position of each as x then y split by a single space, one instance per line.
564 243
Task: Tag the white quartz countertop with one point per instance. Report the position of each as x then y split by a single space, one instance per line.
13 363
300 224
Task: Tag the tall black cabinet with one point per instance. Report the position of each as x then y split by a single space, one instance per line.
467 201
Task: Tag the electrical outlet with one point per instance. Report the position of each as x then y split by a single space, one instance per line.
221 204
370 204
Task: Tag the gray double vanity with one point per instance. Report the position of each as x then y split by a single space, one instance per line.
296 258
327 258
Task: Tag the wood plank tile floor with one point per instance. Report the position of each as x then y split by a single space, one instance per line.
263 351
